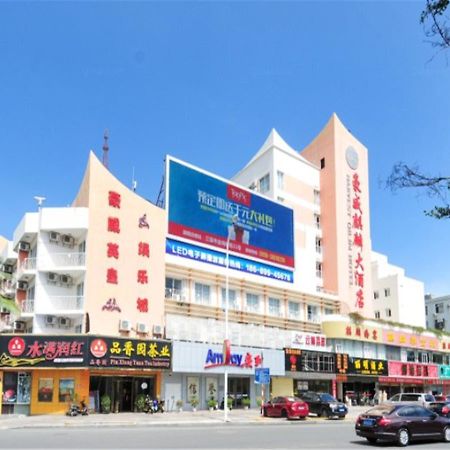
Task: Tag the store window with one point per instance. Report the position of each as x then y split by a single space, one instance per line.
264 184
16 391
202 294
232 298
252 302
274 307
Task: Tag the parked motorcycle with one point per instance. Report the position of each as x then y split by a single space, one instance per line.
153 406
77 410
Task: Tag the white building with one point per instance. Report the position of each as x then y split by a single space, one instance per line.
396 297
437 311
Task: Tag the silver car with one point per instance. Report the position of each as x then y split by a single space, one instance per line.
412 397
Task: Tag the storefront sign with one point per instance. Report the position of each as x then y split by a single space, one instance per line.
308 341
367 366
308 361
410 340
341 363
415 370
262 376
216 258
247 360
42 351
444 371
132 353
201 208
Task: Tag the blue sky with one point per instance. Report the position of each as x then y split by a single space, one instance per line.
206 82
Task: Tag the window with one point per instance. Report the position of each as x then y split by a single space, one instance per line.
377 314
322 163
316 197
317 221
82 247
173 288
318 269
439 324
439 308
312 313
387 292
264 184
280 179
388 312
328 311
232 299
376 295
318 245
252 302
202 294
424 357
294 310
274 307
317 362
410 356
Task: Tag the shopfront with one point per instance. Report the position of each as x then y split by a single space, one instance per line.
44 374
309 370
358 378
198 374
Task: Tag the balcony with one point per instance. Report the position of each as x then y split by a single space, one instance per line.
7 289
27 306
26 266
64 260
60 304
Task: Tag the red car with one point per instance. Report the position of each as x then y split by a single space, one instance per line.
289 407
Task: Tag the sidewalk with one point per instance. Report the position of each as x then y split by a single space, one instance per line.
236 416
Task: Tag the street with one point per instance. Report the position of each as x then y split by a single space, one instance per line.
286 435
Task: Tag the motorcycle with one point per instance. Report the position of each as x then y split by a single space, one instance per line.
153 406
77 410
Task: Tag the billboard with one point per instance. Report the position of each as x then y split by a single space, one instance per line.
206 209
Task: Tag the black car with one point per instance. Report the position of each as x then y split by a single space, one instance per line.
441 408
324 405
402 424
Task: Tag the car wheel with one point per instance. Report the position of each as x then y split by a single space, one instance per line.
403 437
283 413
372 440
446 434
265 412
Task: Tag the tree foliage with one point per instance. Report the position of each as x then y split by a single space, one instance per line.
436 23
404 176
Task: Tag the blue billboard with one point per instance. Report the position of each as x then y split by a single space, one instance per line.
209 210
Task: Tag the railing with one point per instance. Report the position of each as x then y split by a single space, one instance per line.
27 306
174 294
28 264
65 259
67 302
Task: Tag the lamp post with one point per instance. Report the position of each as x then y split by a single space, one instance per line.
226 343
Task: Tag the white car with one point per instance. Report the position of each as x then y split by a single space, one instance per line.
412 397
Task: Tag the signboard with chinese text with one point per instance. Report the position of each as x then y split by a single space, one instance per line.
42 351
201 208
414 370
196 253
308 341
367 366
130 353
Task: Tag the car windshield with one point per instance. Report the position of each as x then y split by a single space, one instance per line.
382 410
327 398
429 398
292 399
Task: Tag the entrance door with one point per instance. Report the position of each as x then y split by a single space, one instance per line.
238 388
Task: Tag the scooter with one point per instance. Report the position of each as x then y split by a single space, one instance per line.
77 410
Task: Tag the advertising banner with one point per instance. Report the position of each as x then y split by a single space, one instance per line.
83 351
367 366
131 353
415 370
206 209
42 351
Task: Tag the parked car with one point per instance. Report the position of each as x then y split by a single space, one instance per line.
402 424
289 407
324 405
412 397
441 408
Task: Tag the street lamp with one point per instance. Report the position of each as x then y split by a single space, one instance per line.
226 343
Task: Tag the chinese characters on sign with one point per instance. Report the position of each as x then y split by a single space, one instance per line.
309 340
245 361
416 370
357 244
362 332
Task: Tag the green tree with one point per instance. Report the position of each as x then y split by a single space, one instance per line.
8 304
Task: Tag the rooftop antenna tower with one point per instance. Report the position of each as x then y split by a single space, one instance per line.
105 149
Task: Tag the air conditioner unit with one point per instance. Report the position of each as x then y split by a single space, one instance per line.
124 325
64 322
252 187
7 268
142 328
157 330
50 320
66 280
52 277
22 285
53 236
19 326
25 246
67 240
